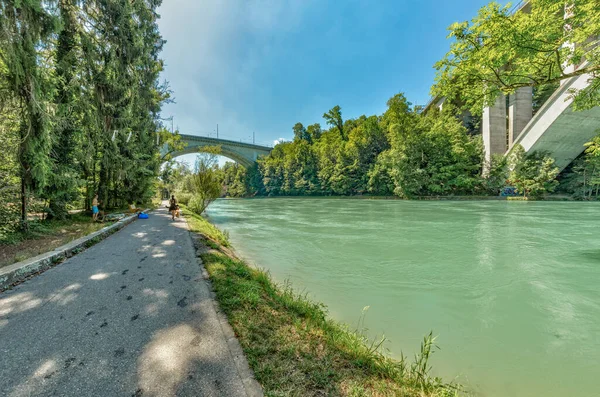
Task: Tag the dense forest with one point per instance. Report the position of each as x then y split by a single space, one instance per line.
79 105
407 154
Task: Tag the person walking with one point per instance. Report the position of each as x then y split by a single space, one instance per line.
173 207
95 208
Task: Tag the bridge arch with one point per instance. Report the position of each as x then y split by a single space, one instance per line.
243 153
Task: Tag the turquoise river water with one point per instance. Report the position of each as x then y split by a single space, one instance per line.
512 289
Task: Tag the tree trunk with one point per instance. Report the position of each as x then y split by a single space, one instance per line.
23 178
23 201
103 183
591 186
94 185
584 184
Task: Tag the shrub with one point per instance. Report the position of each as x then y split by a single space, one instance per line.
198 204
184 198
533 174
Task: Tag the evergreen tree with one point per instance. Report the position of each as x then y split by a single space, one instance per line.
25 28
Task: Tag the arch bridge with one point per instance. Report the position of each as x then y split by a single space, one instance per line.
243 153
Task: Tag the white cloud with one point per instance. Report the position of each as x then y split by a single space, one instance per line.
278 141
210 65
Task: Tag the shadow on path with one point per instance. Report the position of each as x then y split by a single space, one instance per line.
131 316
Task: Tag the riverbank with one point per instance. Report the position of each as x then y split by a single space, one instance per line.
556 197
291 344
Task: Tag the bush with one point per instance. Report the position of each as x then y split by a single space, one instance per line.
9 218
533 174
198 204
184 198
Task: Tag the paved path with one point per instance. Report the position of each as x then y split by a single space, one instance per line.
131 316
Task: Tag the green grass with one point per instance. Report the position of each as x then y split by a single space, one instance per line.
200 225
40 229
292 346
44 236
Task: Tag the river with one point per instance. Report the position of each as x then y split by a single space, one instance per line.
512 289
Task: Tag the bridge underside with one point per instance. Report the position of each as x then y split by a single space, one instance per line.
243 153
230 154
565 138
559 130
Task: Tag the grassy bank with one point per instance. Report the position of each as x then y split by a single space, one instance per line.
292 346
550 197
45 236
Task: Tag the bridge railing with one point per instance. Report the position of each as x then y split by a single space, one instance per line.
231 138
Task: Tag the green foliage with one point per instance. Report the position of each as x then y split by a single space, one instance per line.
334 119
402 153
497 174
172 142
233 178
184 198
591 168
63 182
435 157
197 204
204 183
499 51
314 132
79 92
9 169
25 28
541 93
583 182
532 174
300 133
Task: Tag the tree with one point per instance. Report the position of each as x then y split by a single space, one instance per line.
434 157
9 164
64 178
334 119
26 26
79 87
314 132
497 174
254 181
232 177
583 178
402 152
500 51
532 174
171 141
204 183
399 112
592 166
300 133
121 46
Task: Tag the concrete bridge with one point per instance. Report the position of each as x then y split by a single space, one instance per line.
243 153
556 128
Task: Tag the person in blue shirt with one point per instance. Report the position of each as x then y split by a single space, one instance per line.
95 210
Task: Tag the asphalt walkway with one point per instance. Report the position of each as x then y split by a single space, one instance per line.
131 316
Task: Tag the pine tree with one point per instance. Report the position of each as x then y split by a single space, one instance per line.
25 27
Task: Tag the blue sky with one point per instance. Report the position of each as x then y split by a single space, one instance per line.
262 65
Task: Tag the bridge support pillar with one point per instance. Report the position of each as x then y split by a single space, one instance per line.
493 125
520 112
